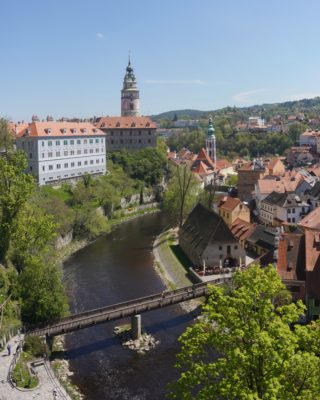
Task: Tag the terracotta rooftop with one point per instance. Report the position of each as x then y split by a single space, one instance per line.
223 163
228 203
126 123
242 229
312 220
310 132
291 256
55 129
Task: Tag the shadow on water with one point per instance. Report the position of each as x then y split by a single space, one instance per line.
74 353
80 351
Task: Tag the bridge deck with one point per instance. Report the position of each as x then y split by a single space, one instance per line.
126 309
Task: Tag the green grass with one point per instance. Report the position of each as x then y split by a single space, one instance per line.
22 376
181 257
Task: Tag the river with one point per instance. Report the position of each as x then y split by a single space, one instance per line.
115 268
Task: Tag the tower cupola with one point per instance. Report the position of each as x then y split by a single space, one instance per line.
211 142
130 103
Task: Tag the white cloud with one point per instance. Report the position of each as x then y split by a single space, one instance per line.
175 82
247 96
100 35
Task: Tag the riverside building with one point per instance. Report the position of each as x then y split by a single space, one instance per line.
60 151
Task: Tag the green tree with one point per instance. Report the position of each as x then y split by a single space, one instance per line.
15 188
182 193
6 137
41 292
246 346
35 235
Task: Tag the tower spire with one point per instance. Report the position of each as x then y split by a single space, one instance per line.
129 93
211 142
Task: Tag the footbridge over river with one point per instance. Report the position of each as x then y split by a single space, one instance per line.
132 307
126 309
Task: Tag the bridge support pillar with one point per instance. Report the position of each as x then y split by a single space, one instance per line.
136 326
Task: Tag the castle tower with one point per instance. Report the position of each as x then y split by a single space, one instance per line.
129 94
211 143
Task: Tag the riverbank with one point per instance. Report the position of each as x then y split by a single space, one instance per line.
173 274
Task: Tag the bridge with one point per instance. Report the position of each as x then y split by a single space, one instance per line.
132 308
126 309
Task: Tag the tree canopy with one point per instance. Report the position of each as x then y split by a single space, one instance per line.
246 345
182 193
15 189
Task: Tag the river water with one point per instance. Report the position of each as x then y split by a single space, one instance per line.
115 268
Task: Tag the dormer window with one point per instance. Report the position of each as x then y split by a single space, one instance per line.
133 125
63 130
148 124
84 130
48 131
74 130
118 124
95 130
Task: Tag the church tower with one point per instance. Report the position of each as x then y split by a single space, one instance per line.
211 143
129 94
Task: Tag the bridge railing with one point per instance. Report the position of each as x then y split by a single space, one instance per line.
127 308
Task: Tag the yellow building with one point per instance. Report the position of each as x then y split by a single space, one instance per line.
231 208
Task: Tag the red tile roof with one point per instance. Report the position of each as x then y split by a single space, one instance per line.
291 259
312 220
228 203
55 129
242 229
223 163
126 123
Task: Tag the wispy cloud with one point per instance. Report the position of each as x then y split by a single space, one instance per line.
175 82
100 35
247 96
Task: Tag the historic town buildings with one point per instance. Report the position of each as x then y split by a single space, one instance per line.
58 151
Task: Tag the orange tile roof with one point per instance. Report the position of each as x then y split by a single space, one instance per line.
223 163
274 162
242 229
16 129
203 156
228 203
285 184
54 129
312 220
202 169
290 260
126 123
309 132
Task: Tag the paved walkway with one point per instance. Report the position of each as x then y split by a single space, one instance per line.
171 269
47 381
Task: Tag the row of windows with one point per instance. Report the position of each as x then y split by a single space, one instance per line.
72 153
130 133
72 175
121 141
72 164
65 142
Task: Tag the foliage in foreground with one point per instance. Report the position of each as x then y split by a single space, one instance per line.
41 291
245 346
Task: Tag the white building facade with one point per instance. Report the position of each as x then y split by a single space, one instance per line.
60 151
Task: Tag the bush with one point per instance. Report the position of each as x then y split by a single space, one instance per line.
34 346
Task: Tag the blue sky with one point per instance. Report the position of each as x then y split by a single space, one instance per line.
68 57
